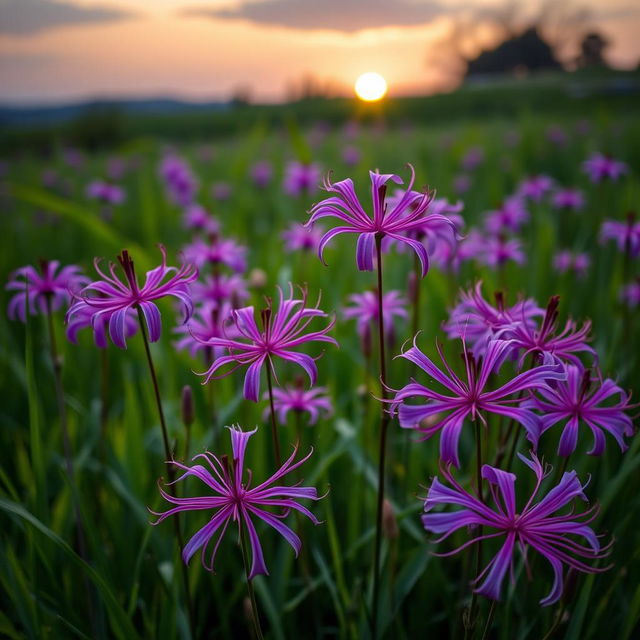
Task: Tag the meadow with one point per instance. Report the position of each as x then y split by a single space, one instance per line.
127 580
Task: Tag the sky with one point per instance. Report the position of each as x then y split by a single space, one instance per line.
56 51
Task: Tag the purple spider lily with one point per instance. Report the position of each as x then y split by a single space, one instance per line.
625 234
367 314
114 297
600 167
409 213
105 192
568 199
461 183
314 402
545 340
36 289
497 250
630 294
300 238
566 260
232 498
535 187
301 179
283 331
535 526
216 289
217 251
207 322
82 318
577 400
180 182
469 399
351 156
261 173
197 217
479 322
472 159
509 217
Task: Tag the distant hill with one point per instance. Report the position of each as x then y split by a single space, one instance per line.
30 115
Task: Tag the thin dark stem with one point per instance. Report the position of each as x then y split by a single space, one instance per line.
487 626
274 423
169 457
252 596
384 423
104 401
556 623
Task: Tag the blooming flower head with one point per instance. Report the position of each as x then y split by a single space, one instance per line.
582 399
568 199
409 213
630 294
511 215
497 250
468 398
180 183
478 322
297 399
105 192
283 331
198 218
216 289
366 311
535 187
601 167
300 238
115 297
82 317
625 234
217 251
208 321
261 173
566 260
232 498
301 179
537 525
39 288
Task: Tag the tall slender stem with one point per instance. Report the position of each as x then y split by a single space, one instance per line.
487 626
384 423
169 458
274 423
252 596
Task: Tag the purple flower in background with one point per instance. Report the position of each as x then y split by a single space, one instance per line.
207 322
557 135
301 179
261 174
216 289
565 260
74 158
217 251
233 499
580 400
625 234
37 288
221 191
535 187
296 399
114 297
461 183
569 199
409 213
116 167
198 218
105 192
298 237
472 159
180 183
543 340
82 318
600 167
630 294
478 322
283 331
367 314
468 398
535 526
497 250
509 217
351 156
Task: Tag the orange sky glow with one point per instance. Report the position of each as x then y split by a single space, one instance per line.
161 50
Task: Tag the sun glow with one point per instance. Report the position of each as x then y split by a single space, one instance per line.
370 86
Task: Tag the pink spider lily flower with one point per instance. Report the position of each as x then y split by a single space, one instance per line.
630 294
535 187
232 498
469 398
196 217
497 250
544 339
114 297
37 288
180 183
479 322
568 199
579 400
626 235
301 179
261 174
408 214
535 526
217 251
283 331
300 238
366 312
216 289
105 192
600 167
509 217
82 318
295 399
207 322
566 260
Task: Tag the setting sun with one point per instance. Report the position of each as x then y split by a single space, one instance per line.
370 86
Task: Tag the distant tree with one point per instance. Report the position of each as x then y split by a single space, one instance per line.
592 50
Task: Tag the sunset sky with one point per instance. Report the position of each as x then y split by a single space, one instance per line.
64 50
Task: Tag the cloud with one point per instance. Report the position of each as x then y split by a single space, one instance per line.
337 15
25 17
